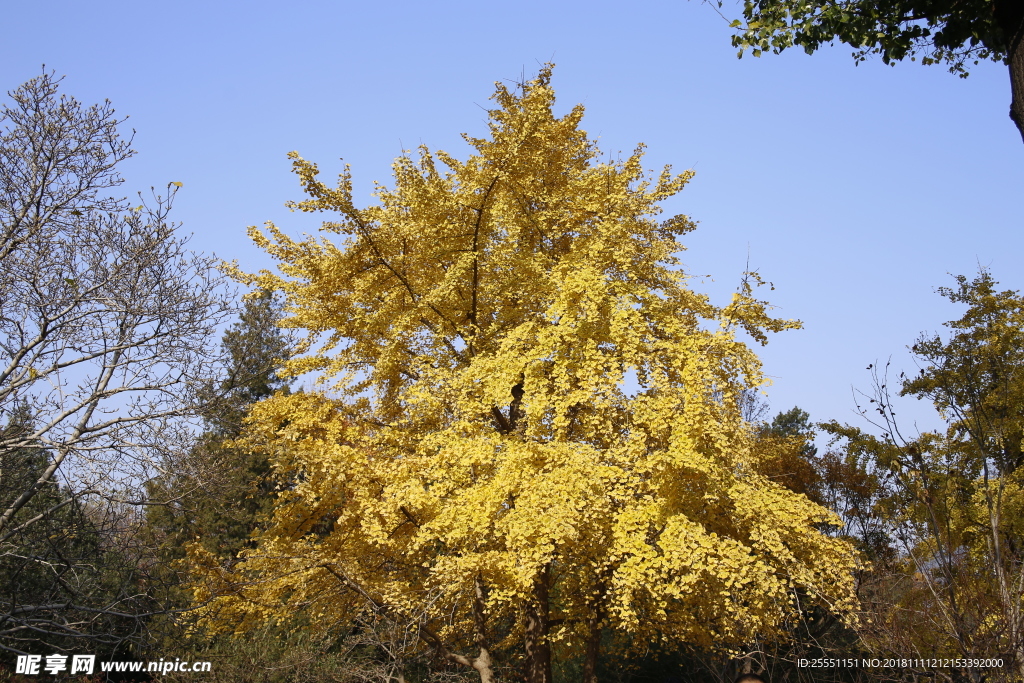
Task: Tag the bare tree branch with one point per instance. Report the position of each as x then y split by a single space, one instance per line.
106 322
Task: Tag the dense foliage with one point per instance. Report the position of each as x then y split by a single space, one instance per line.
940 31
943 509
483 473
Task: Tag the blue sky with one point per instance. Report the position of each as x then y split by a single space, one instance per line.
854 189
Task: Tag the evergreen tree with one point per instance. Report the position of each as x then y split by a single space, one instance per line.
789 454
66 571
795 422
217 492
255 348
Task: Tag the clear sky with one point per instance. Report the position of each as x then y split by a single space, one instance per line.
854 189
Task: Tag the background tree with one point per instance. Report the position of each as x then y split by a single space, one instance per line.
788 453
483 476
943 32
105 319
788 456
72 572
215 492
254 350
950 502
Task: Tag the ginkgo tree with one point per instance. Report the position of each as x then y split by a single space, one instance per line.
474 464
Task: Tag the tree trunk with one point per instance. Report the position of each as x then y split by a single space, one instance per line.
484 666
538 649
482 663
1009 15
593 647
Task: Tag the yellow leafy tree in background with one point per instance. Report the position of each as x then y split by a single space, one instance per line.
480 469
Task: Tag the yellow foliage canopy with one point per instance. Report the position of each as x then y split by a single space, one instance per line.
482 456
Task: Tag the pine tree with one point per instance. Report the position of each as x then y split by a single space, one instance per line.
788 453
218 492
67 573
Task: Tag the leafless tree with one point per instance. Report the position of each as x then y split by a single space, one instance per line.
106 322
